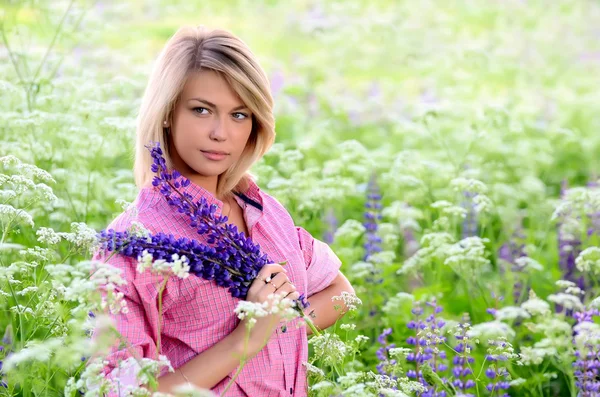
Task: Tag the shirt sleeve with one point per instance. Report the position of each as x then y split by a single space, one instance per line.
138 338
322 264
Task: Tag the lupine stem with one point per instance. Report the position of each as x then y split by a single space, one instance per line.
160 301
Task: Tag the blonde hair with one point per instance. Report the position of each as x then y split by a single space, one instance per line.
192 49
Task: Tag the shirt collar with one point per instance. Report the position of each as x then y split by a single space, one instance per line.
197 192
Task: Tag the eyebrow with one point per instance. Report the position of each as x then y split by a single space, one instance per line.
215 106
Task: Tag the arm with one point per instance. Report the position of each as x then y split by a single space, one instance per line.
209 368
322 308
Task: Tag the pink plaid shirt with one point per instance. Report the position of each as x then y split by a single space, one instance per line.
198 313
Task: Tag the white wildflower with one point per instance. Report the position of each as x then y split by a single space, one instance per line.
399 352
394 304
383 257
527 263
9 214
361 270
511 313
595 303
349 231
589 260
536 306
34 350
567 301
47 236
565 284
468 185
351 301
312 370
449 209
517 382
361 338
491 330
467 255
329 348
348 327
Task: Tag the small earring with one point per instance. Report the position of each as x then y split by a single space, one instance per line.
165 123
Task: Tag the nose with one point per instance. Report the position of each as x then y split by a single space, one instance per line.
218 132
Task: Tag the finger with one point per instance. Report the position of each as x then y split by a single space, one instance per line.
269 269
279 279
265 272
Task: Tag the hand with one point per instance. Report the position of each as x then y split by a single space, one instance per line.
271 279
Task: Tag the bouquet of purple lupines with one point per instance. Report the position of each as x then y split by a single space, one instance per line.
229 257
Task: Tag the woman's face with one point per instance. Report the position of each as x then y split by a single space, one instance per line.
210 127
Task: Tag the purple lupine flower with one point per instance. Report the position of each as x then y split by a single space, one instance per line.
509 252
586 364
417 357
205 262
332 224
382 353
469 226
434 355
6 349
461 369
497 374
594 227
426 344
372 219
569 248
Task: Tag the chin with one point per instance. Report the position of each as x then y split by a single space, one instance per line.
210 169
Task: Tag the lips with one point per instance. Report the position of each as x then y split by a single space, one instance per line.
214 155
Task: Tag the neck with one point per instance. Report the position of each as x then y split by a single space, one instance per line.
207 182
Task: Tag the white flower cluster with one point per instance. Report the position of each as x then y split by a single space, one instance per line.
351 301
10 214
395 303
79 282
491 330
511 313
467 256
589 260
329 348
275 304
526 263
449 209
433 248
349 232
481 202
179 266
34 350
536 306
82 236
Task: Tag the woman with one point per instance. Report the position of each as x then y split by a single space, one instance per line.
208 105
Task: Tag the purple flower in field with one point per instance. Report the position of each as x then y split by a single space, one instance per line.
569 248
5 351
498 352
469 226
508 253
382 352
461 370
332 224
587 351
427 342
371 224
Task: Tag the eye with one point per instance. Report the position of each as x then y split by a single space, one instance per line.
239 116
201 109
